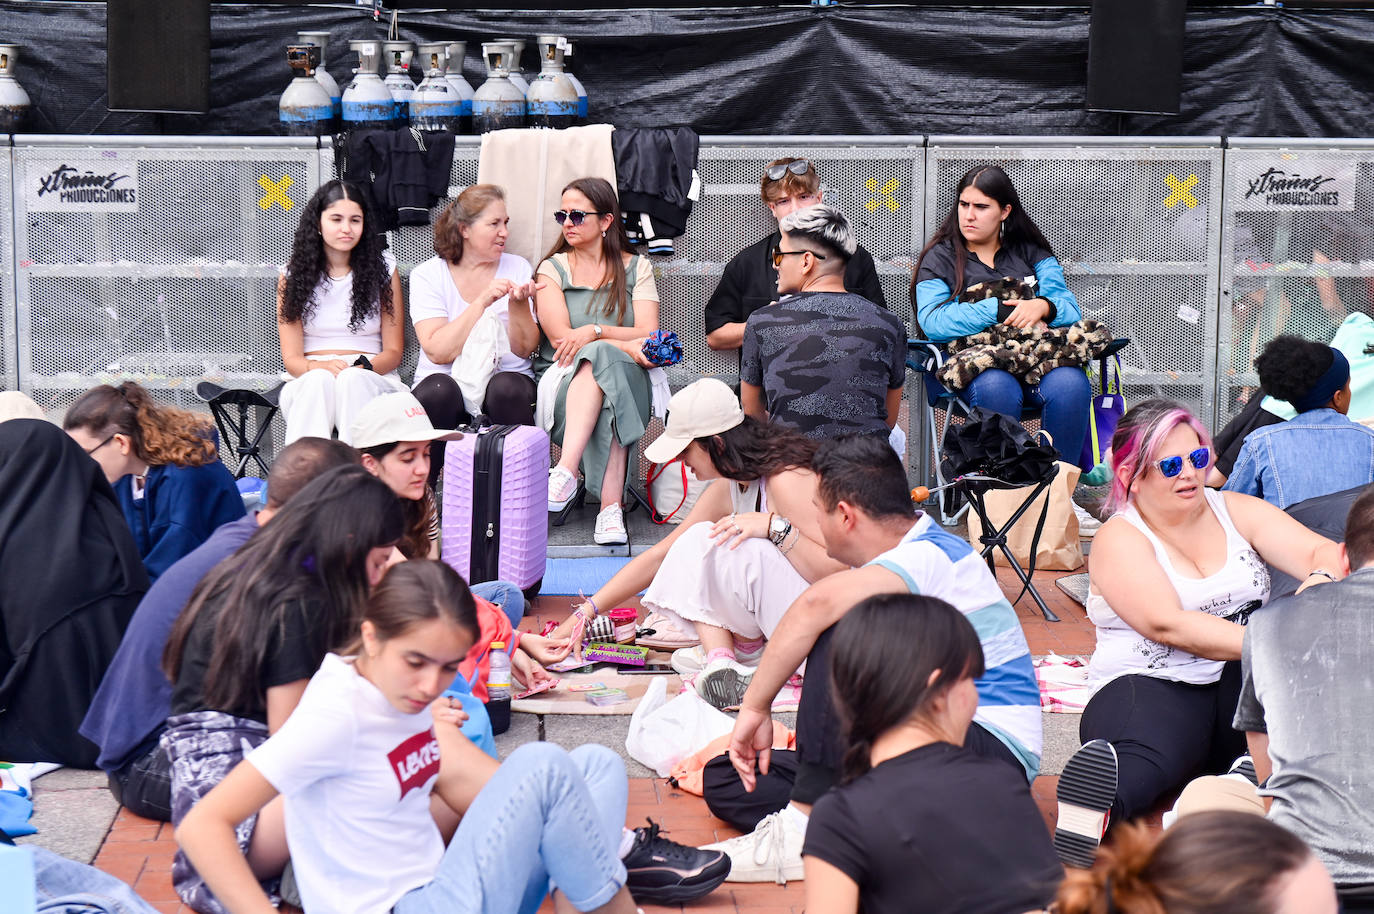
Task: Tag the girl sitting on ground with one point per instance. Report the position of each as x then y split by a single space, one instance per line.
372 763
919 824
747 549
253 634
339 315
164 466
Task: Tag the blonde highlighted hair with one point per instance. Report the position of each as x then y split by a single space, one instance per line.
159 434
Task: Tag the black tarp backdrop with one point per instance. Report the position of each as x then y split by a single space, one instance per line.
1249 71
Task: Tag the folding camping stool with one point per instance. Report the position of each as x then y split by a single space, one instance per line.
234 430
974 488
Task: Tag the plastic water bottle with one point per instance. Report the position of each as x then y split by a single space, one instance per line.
498 688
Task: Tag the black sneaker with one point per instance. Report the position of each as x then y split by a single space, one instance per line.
1087 788
665 872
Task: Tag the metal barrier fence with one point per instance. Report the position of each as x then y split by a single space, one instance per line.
1165 239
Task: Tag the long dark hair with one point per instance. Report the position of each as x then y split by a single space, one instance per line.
414 592
882 655
1219 862
613 245
1018 229
316 546
309 266
159 434
754 450
420 514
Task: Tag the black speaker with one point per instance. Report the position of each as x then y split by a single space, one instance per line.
157 55
1135 56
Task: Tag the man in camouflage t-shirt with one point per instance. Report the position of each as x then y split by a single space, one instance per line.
823 361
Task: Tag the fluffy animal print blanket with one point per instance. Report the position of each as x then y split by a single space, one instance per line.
1028 354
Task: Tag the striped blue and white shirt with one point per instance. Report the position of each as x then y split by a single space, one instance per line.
936 563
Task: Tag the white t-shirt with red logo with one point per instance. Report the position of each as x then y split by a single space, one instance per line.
356 774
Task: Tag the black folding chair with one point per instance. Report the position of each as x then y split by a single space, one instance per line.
234 430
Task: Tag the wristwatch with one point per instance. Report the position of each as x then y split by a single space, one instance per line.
778 528
596 328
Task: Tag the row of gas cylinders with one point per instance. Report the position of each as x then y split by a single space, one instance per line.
313 104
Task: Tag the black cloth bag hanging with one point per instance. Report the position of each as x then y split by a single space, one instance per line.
991 444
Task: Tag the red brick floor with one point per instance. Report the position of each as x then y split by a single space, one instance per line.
140 851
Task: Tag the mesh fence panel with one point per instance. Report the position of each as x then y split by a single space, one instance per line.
8 333
1290 271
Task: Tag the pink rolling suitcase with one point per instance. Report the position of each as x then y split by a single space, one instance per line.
496 514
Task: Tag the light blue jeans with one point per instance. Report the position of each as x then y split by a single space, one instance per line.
74 888
546 818
505 595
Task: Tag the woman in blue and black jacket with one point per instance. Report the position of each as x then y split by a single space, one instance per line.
987 237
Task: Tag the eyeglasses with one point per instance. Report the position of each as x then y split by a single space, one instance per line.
799 167
779 254
100 445
1170 467
575 216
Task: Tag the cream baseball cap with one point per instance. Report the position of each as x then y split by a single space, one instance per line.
702 408
397 416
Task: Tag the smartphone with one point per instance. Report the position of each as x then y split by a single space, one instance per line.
647 670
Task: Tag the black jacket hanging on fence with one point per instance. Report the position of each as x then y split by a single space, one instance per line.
406 171
655 168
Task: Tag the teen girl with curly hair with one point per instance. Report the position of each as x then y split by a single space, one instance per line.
339 315
164 466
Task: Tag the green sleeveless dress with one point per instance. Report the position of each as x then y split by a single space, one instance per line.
628 395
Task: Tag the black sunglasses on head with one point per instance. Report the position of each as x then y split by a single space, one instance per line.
575 216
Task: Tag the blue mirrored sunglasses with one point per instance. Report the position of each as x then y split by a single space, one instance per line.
1172 466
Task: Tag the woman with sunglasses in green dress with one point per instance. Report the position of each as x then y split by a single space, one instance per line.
597 306
1175 574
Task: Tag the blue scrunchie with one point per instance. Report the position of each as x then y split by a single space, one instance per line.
662 349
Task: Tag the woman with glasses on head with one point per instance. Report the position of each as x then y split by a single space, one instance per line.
598 306
471 277
750 281
164 466
1175 574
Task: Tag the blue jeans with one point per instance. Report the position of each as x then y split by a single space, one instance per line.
1064 395
74 888
505 595
546 816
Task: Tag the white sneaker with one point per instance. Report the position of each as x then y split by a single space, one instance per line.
689 661
562 488
723 682
770 853
610 527
1087 524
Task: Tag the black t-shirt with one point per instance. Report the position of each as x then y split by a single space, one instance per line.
750 282
294 652
938 829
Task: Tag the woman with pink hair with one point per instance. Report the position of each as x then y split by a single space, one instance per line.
1175 574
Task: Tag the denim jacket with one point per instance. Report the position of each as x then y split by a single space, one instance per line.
1314 453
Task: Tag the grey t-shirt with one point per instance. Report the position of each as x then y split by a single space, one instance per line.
825 361
1308 667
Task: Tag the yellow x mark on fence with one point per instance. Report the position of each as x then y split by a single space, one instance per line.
885 193
1180 191
275 192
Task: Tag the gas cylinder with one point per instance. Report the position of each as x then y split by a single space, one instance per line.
305 108
398 57
14 101
517 51
552 99
497 104
435 105
322 71
582 106
367 103
457 51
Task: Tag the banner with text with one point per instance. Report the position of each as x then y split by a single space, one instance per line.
82 185
1289 182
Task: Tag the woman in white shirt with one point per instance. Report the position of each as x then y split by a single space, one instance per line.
339 315
472 277
1175 574
372 763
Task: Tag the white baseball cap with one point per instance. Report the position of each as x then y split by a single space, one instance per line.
397 416
702 408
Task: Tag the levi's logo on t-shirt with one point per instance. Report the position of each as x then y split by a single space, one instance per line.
415 761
